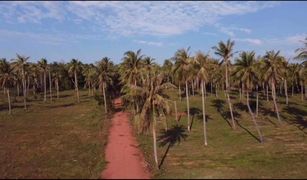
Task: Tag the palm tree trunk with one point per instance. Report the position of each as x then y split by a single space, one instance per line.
302 91
50 88
286 91
253 117
204 113
292 89
57 89
257 101
188 104
179 92
76 86
28 85
274 100
18 93
104 97
24 89
9 100
211 88
267 92
228 99
192 84
154 138
216 91
45 87
175 104
240 92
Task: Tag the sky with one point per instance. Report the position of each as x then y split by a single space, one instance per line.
88 31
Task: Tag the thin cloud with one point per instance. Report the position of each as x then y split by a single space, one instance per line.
150 43
132 18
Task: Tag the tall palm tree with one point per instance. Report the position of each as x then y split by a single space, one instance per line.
246 72
201 67
153 91
293 75
302 52
182 68
272 70
6 79
130 70
20 64
105 76
43 64
75 67
225 51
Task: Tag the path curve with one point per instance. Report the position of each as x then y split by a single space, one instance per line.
125 160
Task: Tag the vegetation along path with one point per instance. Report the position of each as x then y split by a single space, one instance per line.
122 153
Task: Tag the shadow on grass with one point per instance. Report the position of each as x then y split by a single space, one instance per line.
250 133
170 138
219 104
62 105
4 107
194 112
299 117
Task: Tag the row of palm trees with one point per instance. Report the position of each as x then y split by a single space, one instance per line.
22 73
146 83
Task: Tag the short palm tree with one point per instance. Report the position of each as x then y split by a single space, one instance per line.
43 65
20 65
75 67
225 51
272 70
245 72
104 66
6 79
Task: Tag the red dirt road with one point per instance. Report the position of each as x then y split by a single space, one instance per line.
126 161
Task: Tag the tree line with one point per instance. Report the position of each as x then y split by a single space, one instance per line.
143 84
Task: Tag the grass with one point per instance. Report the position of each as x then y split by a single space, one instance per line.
61 139
236 153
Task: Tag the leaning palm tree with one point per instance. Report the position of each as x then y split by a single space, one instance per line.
6 79
201 67
105 76
20 65
245 72
182 67
43 65
75 67
272 70
225 51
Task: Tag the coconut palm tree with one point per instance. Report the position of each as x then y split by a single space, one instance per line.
272 69
130 70
6 79
75 66
225 51
201 67
104 66
43 65
245 72
302 52
182 68
20 65
293 75
90 73
153 91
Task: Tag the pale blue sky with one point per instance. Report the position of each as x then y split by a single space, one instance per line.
91 30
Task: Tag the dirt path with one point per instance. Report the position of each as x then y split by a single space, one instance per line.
126 161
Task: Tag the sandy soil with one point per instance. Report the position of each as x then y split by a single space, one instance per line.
126 161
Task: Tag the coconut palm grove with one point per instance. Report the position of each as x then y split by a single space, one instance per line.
219 112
